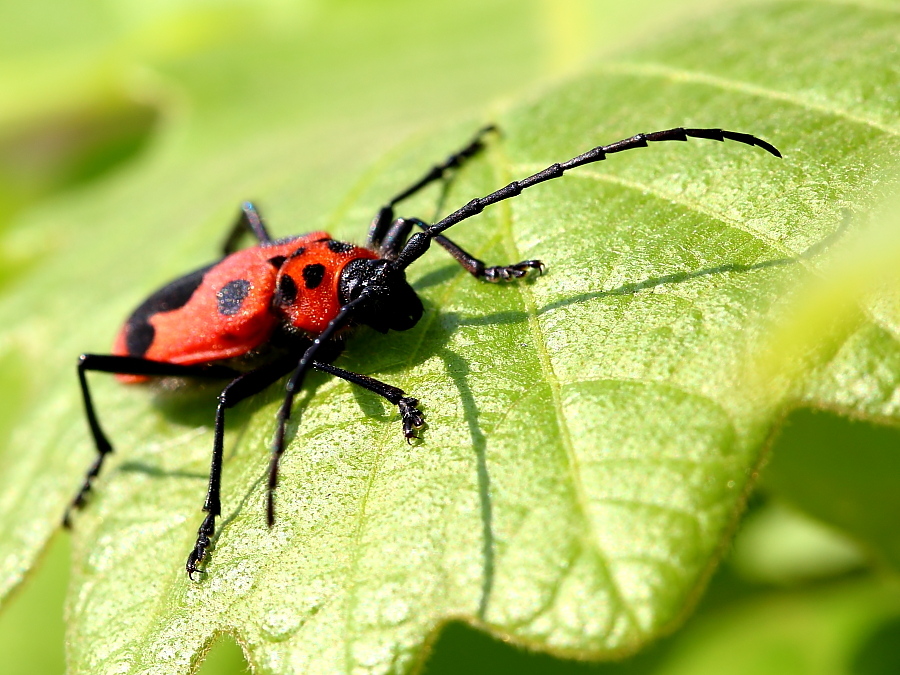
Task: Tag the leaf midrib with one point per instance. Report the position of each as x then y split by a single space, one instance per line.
503 167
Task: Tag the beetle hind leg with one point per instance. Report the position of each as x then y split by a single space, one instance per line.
123 365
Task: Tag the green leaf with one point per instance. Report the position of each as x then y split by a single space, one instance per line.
592 435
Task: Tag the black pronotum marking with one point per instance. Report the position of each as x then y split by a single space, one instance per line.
286 293
338 246
139 333
231 296
277 261
313 275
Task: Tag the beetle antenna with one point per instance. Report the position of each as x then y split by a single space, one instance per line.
293 386
419 242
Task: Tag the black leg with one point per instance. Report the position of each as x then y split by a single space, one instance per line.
294 383
419 243
395 239
124 365
385 215
238 389
249 221
410 416
252 383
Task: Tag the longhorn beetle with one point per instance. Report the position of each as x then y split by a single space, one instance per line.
280 307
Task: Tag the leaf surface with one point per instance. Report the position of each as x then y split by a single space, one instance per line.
592 434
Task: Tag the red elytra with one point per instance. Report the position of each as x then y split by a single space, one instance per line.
234 308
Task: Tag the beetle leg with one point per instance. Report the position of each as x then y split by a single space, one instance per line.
248 221
124 365
411 417
294 383
238 389
395 240
385 216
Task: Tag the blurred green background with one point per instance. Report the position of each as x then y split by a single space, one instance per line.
93 92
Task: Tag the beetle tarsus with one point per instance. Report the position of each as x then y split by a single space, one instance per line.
518 270
197 556
411 417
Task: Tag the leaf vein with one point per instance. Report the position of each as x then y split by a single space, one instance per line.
649 69
690 205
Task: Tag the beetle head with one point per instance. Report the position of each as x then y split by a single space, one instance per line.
392 303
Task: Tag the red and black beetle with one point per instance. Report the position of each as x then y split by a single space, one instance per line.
279 307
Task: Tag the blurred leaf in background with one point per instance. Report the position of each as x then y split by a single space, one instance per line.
129 133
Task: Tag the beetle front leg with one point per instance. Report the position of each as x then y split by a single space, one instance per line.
396 237
385 216
411 418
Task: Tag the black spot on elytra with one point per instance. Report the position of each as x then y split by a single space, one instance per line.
339 246
287 291
139 337
231 296
139 333
313 275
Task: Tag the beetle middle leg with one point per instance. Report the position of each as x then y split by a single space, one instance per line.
253 382
249 221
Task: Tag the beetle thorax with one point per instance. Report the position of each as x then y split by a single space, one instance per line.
307 294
